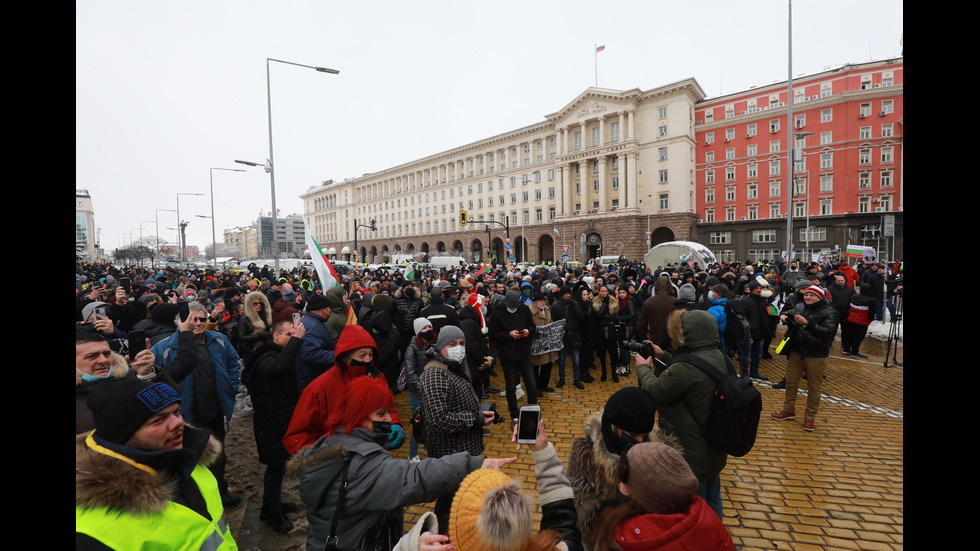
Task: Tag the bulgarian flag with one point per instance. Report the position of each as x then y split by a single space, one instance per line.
600 48
854 251
409 272
328 276
557 232
484 270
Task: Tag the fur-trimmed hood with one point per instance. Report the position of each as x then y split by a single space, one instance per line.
692 330
261 322
105 481
119 369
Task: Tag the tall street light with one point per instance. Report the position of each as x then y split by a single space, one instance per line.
789 140
214 238
157 243
180 234
269 163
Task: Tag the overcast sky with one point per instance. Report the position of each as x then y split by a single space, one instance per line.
166 90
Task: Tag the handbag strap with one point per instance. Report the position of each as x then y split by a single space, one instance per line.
333 539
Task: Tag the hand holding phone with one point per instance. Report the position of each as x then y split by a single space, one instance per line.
527 424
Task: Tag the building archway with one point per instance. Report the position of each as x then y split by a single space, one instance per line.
385 254
440 247
593 245
660 235
458 248
424 248
476 248
497 250
374 255
546 249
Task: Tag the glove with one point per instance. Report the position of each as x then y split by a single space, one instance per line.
396 438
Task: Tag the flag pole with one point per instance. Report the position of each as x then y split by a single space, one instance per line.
595 57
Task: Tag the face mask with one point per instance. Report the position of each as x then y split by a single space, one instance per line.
512 310
483 309
766 293
90 377
382 427
456 354
429 335
711 295
359 363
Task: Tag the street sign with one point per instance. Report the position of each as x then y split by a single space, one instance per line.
564 248
507 246
565 257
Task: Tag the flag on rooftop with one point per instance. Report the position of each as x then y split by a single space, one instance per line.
600 48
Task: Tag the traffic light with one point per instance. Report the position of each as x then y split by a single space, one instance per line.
374 225
462 218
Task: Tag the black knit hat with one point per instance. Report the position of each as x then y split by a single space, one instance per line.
632 409
121 405
316 302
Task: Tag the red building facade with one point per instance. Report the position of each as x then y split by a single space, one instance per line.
847 169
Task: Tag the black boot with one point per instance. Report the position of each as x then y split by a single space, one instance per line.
544 377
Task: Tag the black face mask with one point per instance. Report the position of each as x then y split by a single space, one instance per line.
410 293
429 335
382 427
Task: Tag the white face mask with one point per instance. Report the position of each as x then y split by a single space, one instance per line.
456 354
766 293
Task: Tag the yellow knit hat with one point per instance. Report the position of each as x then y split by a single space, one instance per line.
467 506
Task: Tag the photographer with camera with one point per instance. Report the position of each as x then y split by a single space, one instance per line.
453 413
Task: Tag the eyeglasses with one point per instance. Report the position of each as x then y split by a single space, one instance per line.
199 319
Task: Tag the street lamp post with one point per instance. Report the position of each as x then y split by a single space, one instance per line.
789 134
374 227
269 164
157 243
181 225
214 237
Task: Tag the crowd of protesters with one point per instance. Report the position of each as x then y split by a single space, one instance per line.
322 366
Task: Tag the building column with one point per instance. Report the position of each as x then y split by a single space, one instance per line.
566 188
585 183
602 131
622 131
621 173
630 114
631 179
603 196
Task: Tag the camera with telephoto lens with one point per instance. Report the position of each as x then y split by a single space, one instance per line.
644 349
491 406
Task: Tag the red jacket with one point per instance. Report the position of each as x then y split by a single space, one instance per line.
319 405
697 529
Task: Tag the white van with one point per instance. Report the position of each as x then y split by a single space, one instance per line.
447 262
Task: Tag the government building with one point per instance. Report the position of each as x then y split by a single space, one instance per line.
608 173
616 172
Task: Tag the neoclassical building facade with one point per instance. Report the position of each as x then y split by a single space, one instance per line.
611 172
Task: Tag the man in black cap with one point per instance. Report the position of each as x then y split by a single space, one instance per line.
141 477
316 355
512 328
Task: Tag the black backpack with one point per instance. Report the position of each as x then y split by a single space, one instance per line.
737 328
736 407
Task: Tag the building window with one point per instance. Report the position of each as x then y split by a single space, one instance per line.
752 150
729 134
709 116
864 157
614 132
799 185
826 206
709 176
774 146
753 191
730 153
615 182
886 203
886 155
753 170
664 201
595 185
551 193
826 138
663 131
709 195
538 215
595 136
774 189
763 236
826 161
729 173
720 237
774 210
709 138
886 131
864 133
551 174
729 194
752 130
729 111
864 204
774 126
816 233
800 120
524 196
774 168
709 215
865 110
730 214
662 154
662 112
827 115
537 194
513 198
578 139
753 212
551 213
826 184
864 180
888 106
826 89
709 157
886 179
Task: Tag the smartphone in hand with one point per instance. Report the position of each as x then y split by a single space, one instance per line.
527 424
137 342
